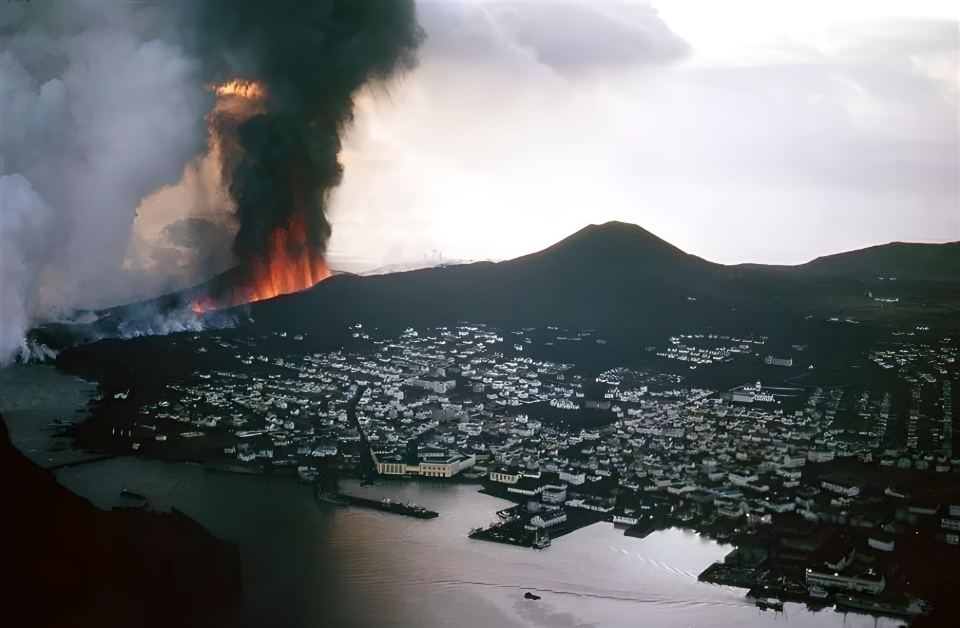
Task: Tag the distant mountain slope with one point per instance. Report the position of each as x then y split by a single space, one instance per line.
404 267
899 260
621 279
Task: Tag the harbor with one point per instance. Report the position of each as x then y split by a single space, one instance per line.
358 561
356 565
326 487
773 596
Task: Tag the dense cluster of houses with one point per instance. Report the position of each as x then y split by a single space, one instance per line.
465 401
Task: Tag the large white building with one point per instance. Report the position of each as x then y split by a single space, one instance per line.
435 467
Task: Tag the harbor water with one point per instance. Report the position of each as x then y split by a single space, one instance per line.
307 563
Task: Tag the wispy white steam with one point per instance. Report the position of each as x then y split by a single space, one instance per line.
152 321
23 221
99 106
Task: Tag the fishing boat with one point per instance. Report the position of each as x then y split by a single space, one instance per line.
769 603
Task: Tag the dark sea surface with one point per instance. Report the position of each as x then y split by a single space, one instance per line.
311 564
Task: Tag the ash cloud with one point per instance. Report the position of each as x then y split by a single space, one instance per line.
102 104
310 58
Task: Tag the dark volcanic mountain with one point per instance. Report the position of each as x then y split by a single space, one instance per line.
625 281
615 277
895 261
606 275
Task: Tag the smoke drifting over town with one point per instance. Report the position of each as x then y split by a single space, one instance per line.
103 104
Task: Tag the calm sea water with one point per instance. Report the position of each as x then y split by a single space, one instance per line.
32 398
311 564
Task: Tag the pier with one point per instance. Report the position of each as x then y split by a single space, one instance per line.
387 505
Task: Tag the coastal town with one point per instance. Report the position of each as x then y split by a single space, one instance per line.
830 493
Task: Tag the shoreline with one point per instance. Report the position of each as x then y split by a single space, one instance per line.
408 485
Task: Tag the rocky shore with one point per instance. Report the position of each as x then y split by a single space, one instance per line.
68 563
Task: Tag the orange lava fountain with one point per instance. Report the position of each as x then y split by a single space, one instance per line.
288 266
289 263
243 88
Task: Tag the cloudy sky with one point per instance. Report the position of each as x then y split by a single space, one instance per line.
739 130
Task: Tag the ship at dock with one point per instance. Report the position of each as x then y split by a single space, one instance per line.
326 483
327 490
887 608
388 505
330 498
384 505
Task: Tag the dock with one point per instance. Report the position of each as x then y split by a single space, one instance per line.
387 505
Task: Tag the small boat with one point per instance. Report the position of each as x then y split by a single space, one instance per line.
530 596
124 492
769 603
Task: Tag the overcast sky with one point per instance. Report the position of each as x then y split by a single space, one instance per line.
739 130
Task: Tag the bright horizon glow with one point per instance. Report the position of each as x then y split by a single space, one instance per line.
786 132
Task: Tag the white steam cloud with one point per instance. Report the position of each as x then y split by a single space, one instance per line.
99 106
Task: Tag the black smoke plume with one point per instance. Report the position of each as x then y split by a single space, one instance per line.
103 104
311 57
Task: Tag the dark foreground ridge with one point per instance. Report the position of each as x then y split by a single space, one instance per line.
66 563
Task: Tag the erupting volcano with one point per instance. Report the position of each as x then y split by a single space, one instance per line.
283 99
288 266
288 259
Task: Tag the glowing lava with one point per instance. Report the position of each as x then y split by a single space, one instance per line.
289 261
289 265
243 88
